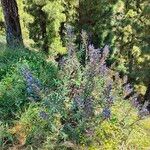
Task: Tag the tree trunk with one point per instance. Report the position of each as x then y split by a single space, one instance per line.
12 23
147 96
42 23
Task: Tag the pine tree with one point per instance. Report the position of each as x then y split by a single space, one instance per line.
25 20
12 22
131 39
95 18
2 25
45 28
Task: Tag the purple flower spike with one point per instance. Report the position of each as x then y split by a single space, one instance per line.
106 113
33 84
128 89
103 70
43 115
105 52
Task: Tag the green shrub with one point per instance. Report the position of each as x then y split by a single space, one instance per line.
79 107
13 88
5 136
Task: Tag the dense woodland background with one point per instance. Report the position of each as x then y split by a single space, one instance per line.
75 74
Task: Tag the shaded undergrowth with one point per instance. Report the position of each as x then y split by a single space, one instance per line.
76 107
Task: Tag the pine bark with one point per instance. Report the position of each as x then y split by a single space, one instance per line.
147 96
12 23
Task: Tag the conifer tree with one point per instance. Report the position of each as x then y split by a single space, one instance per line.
95 18
131 35
12 22
45 29
2 25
